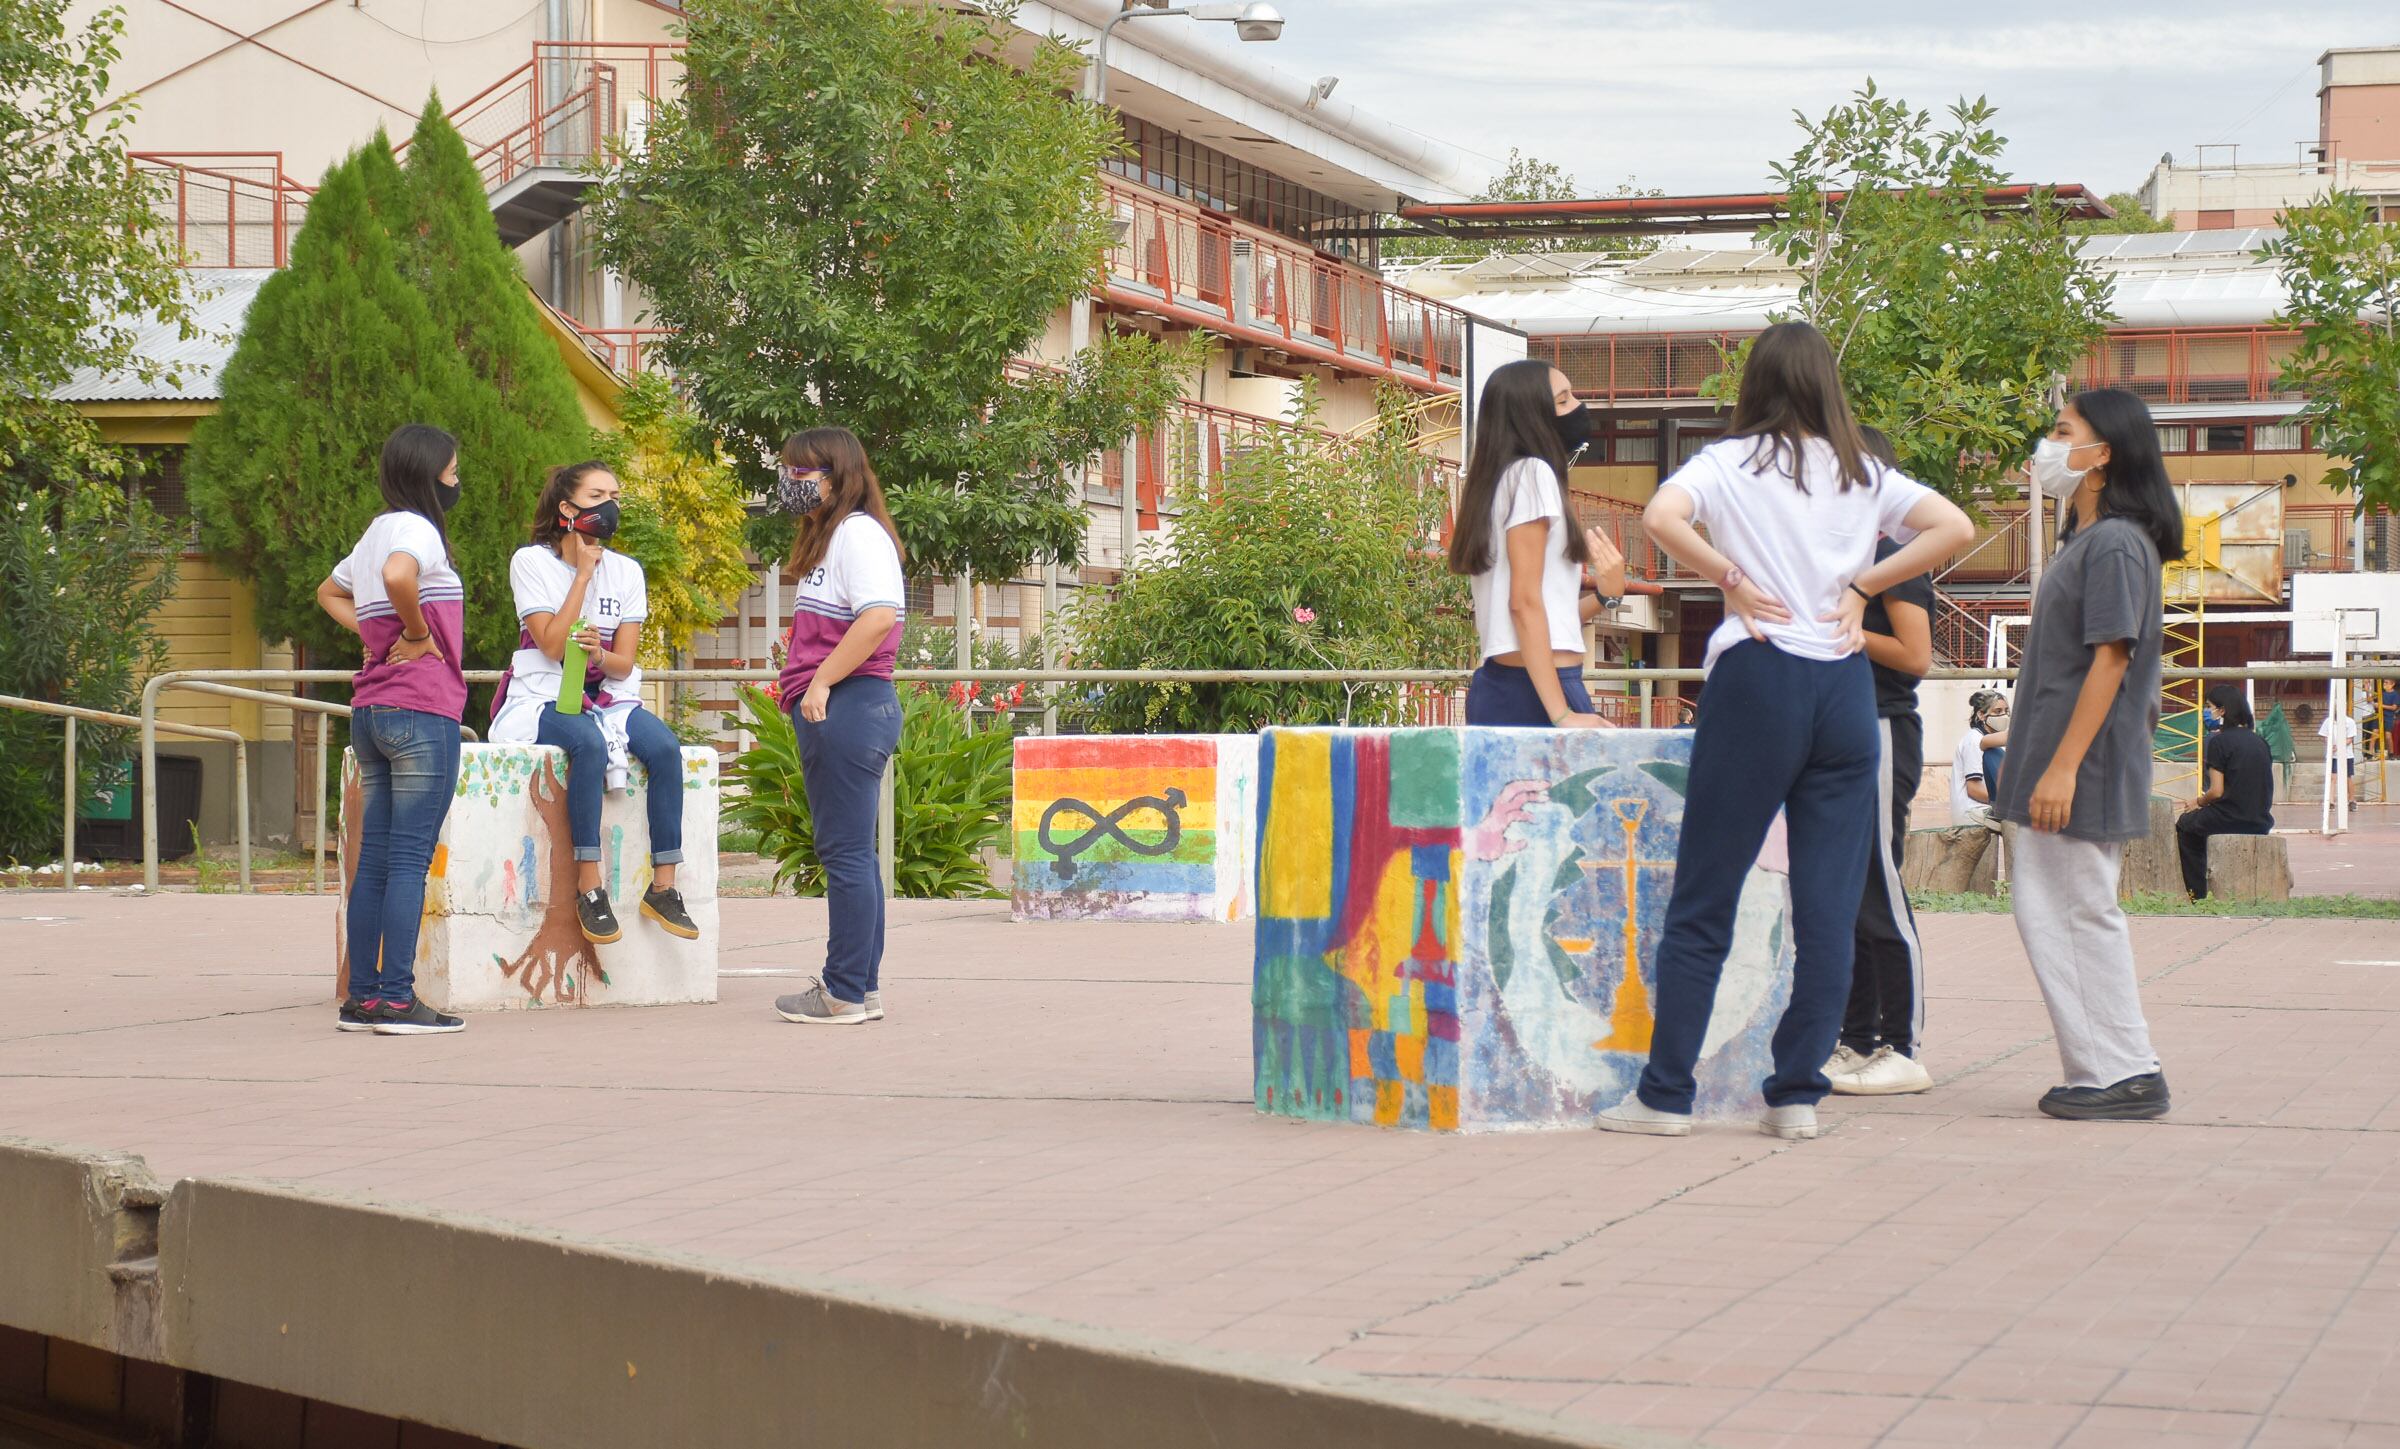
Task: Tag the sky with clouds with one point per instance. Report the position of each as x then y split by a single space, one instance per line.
1698 96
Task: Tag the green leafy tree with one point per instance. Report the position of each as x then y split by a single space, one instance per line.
2132 218
1313 554
85 255
82 569
1952 322
684 516
854 215
508 397
337 351
2341 274
1525 178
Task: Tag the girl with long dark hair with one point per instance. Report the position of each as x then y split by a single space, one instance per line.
837 684
2080 744
1515 539
400 593
571 587
1793 502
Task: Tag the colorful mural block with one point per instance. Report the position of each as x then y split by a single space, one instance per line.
1134 827
1458 929
500 926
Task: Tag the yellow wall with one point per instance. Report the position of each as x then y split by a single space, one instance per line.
209 624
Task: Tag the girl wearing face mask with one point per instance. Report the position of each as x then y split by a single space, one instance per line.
571 586
1528 562
2079 771
400 593
837 683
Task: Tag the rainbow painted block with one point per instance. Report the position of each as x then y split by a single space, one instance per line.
1134 827
500 927
1457 929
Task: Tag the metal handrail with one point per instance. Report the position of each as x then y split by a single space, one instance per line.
217 681
74 712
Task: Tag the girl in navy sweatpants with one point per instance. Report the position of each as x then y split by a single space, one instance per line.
1793 503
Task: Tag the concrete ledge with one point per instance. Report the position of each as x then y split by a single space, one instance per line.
538 1340
78 1259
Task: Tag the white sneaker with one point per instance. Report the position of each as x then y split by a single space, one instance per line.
874 1006
1793 1124
1885 1074
1843 1062
1631 1115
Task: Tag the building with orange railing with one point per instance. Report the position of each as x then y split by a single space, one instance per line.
1244 204
2196 336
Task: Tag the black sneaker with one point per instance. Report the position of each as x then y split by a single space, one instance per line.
597 917
357 1015
666 908
2136 1099
414 1019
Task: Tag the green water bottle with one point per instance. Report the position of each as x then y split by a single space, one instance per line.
570 684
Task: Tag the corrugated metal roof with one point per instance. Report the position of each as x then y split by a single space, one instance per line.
222 298
2157 279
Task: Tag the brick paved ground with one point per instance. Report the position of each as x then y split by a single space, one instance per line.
1056 1119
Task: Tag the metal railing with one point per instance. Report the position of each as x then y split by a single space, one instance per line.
1258 285
72 713
1642 703
226 208
565 106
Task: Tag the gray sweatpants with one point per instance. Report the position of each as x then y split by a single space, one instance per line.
2075 934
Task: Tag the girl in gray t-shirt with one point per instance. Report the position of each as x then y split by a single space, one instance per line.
2079 772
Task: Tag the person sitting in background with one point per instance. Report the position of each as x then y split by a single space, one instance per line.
2240 794
1973 771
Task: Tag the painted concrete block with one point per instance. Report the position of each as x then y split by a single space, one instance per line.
500 927
1134 827
1458 929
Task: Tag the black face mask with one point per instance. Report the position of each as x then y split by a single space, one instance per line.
445 496
598 521
1574 430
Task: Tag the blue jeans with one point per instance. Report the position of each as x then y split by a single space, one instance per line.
1779 732
407 774
648 740
1503 694
841 765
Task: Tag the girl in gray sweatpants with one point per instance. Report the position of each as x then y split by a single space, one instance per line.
2078 777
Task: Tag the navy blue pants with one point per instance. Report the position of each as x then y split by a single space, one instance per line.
1503 694
407 773
1779 732
841 767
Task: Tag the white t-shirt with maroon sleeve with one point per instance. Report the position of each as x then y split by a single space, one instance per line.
860 571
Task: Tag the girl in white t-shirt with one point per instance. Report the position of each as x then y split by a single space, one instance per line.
1793 503
837 687
571 586
1528 563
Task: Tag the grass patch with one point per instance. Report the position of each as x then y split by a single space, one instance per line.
2365 908
737 842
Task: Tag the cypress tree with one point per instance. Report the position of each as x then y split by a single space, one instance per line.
514 410
337 351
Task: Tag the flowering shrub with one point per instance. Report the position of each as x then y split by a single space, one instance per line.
953 793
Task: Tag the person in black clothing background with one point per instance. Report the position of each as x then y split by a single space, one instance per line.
1877 1056
2240 798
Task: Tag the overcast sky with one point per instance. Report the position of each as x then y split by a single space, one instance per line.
1698 96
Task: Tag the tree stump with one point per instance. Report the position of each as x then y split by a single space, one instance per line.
2250 867
1949 860
2151 864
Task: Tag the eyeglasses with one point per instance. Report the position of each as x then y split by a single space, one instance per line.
797 474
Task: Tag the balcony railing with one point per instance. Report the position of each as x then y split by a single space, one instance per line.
226 208
1257 286
629 350
562 108
2162 365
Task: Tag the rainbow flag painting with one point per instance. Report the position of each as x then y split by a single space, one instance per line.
1134 827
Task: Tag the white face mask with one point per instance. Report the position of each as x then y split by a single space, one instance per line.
2051 471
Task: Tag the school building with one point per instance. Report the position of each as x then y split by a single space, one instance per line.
1233 206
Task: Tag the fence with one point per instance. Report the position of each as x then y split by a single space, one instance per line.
226 208
73 713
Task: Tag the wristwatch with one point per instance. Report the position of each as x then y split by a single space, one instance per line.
1734 578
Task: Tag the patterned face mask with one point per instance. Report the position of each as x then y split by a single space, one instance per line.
800 490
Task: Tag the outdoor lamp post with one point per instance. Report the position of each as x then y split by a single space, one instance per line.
1251 21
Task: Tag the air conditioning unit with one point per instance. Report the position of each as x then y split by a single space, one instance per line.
2298 553
1243 362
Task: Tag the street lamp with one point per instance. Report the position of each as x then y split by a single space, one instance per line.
1252 21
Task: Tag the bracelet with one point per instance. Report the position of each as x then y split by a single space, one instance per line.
1862 593
1734 578
408 638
